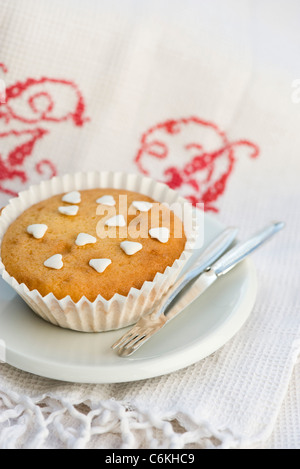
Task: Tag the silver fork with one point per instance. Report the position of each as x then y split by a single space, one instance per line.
147 326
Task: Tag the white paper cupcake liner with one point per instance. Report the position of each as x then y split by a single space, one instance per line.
101 314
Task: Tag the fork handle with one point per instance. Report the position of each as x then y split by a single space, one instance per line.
239 252
214 250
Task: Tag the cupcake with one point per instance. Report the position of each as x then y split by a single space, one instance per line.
95 251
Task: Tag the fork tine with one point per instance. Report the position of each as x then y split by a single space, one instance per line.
125 338
135 342
130 348
144 339
123 341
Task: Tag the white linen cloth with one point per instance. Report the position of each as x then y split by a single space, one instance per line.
91 78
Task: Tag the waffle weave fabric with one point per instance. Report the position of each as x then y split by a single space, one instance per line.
201 104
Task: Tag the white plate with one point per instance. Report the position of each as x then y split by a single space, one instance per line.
41 348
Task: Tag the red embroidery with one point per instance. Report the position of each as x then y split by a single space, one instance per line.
46 164
32 102
4 68
205 157
30 113
10 167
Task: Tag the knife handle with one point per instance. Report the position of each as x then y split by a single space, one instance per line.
214 250
242 250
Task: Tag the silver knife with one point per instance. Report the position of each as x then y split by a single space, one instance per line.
147 326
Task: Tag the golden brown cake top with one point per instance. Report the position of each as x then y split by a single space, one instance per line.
104 241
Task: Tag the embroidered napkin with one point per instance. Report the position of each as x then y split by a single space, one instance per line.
169 92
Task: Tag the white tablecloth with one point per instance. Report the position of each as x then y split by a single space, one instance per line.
204 96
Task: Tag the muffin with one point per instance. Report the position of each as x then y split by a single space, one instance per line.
92 258
25 252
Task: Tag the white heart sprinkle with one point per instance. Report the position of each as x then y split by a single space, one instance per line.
73 197
106 200
84 238
142 206
117 220
99 264
130 247
37 230
70 210
162 234
54 262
